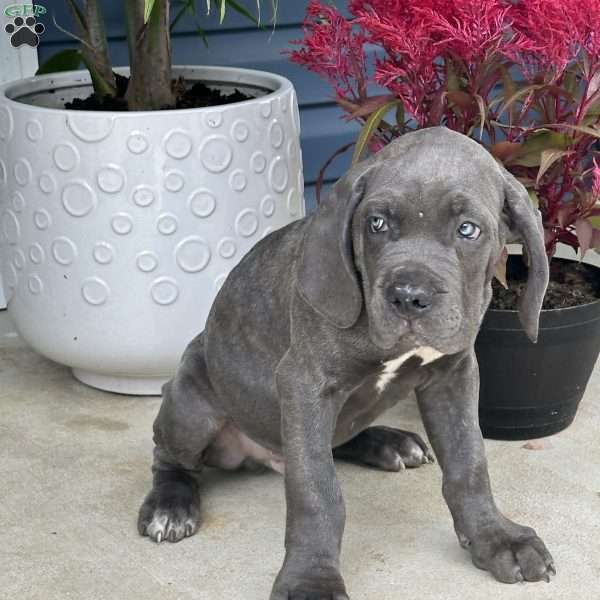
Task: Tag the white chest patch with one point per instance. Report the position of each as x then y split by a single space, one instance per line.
427 354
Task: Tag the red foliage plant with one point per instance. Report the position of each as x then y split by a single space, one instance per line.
522 77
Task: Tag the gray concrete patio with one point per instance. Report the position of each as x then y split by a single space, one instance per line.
74 466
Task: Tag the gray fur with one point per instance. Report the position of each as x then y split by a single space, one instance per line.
307 324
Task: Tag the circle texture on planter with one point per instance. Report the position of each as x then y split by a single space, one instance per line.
11 227
146 261
167 224
258 162
137 142
143 195
2 172
64 251
178 144
164 291
35 285
219 281
89 128
46 183
238 180
33 130
95 291
121 223
6 123
267 206
278 174
246 223
192 254
78 198
202 203
103 253
293 202
214 119
42 219
227 248
240 131
19 259
174 181
216 154
22 171
66 157
276 134
36 254
111 179
18 202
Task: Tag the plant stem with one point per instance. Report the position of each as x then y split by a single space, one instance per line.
150 82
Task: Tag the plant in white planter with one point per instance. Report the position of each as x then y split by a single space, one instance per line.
117 227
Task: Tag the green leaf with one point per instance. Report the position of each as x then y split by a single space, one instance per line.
482 112
580 128
500 274
222 14
524 91
244 11
452 77
101 86
548 158
535 200
530 152
510 89
595 221
400 115
570 81
66 60
370 127
148 6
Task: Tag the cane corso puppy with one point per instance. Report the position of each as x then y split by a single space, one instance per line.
331 320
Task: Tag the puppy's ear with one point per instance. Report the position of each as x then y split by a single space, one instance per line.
525 224
327 276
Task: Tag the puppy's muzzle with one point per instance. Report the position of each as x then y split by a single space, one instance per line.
411 300
412 293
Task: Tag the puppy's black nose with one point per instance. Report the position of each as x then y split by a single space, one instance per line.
411 300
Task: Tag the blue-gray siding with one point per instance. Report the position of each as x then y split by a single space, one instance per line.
238 43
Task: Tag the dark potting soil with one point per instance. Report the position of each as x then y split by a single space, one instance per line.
198 96
571 284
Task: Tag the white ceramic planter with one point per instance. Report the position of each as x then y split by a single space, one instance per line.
117 229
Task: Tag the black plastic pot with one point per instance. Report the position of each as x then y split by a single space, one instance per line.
533 390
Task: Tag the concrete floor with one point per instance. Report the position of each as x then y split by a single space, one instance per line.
74 467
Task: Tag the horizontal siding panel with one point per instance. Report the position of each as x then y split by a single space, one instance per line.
324 132
289 13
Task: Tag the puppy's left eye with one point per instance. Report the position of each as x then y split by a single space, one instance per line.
377 224
469 231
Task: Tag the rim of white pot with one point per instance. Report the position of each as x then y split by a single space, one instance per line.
271 83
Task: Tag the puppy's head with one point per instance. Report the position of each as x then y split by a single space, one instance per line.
412 236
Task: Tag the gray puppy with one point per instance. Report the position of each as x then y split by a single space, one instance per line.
331 320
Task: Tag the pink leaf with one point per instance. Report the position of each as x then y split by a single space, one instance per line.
584 232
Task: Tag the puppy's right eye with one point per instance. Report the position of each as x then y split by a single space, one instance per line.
377 224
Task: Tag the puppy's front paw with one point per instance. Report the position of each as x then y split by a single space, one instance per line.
327 585
169 513
512 553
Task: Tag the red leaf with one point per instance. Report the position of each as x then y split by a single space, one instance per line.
504 150
370 105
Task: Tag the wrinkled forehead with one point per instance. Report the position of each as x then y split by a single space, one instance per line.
427 171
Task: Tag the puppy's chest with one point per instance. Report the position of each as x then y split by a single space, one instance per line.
389 369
